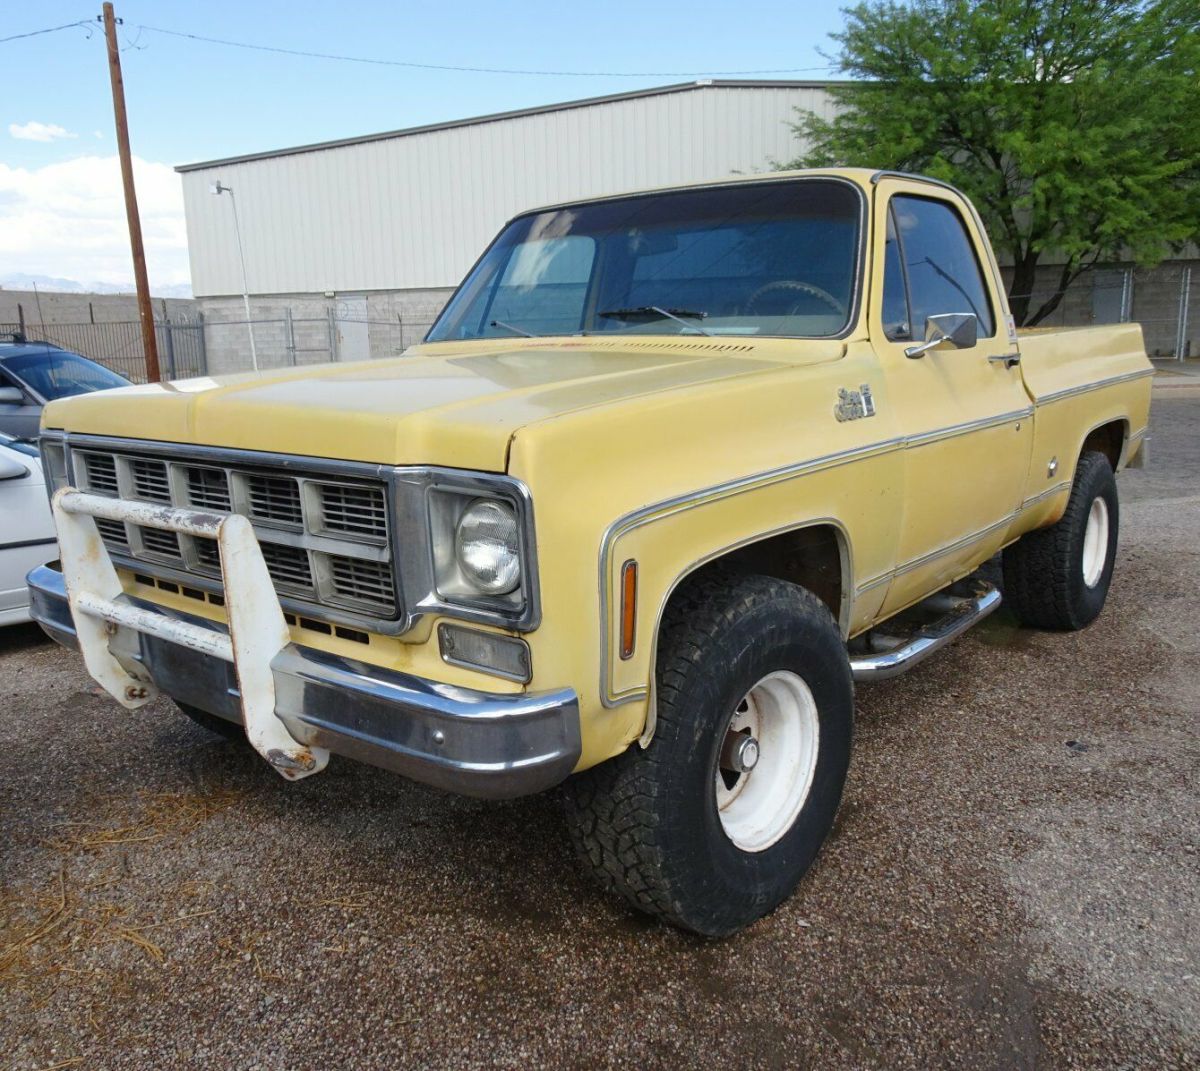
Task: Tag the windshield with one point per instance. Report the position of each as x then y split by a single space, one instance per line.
771 258
59 374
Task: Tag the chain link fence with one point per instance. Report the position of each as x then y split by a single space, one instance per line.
118 345
287 340
1164 300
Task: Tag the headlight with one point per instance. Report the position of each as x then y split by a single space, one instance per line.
486 545
475 559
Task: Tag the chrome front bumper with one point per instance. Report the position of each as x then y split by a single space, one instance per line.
466 741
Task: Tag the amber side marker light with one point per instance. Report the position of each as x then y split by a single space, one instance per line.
628 607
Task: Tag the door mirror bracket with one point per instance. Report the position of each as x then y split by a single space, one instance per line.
958 330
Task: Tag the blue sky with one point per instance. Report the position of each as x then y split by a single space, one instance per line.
189 100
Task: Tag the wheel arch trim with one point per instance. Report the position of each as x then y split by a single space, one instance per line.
845 602
1120 420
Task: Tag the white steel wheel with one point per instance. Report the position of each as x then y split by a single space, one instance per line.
1095 542
767 760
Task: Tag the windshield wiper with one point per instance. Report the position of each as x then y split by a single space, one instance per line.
656 310
511 327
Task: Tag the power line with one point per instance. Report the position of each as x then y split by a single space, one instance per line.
473 70
49 29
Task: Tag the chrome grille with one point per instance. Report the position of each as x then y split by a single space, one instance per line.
100 474
288 567
362 582
353 509
274 498
325 540
156 541
208 489
150 482
208 556
113 533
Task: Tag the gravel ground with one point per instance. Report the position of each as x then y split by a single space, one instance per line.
1012 882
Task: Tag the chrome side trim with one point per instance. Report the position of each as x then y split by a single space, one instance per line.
965 541
1111 381
954 430
1050 492
669 507
925 641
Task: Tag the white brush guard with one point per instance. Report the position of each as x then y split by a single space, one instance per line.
257 629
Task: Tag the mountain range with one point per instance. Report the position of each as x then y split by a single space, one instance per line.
48 283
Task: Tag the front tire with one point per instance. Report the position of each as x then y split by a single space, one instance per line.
697 829
1058 577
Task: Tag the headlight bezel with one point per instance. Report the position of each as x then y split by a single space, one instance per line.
445 496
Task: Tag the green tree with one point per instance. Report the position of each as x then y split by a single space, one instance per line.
1074 125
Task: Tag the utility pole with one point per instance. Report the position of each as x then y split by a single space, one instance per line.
145 313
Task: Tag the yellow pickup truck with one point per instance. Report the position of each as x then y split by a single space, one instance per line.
671 472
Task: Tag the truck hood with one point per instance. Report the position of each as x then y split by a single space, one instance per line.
447 404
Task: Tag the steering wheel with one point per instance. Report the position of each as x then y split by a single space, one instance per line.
803 288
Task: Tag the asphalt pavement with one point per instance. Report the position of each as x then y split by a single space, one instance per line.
1013 881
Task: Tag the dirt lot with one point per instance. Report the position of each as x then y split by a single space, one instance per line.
1014 880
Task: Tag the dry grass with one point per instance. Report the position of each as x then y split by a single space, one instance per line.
46 933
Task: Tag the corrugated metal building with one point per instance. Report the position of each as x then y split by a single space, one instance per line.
351 247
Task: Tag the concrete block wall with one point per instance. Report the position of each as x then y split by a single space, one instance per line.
56 307
1154 301
320 328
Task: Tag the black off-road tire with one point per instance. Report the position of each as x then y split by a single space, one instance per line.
1043 571
228 729
646 822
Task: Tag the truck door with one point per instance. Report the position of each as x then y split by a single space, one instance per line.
963 414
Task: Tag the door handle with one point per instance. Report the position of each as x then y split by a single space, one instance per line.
1010 359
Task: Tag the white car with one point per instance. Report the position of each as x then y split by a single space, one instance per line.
26 530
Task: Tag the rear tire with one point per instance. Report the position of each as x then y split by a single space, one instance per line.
668 827
231 730
1058 577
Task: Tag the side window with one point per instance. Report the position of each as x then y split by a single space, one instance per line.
895 287
943 272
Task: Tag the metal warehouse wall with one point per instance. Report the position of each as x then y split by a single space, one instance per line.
414 210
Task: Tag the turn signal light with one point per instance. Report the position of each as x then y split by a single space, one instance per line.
628 607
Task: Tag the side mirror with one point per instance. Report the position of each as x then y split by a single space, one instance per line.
11 396
11 469
958 330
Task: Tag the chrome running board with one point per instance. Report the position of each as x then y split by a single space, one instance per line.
960 615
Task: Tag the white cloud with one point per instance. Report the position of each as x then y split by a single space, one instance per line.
68 220
35 131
